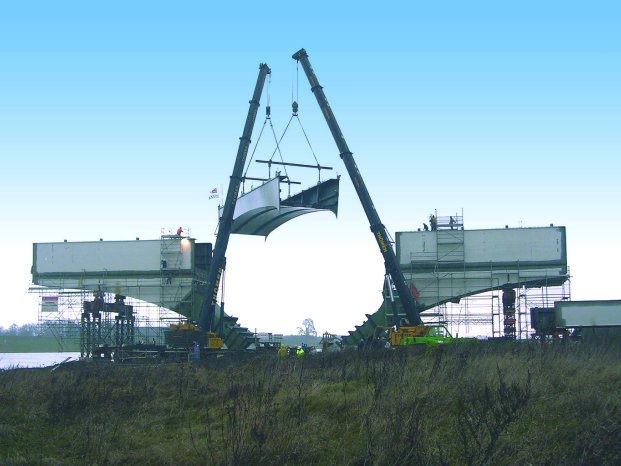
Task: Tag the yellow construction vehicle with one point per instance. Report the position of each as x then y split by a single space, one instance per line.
186 334
424 334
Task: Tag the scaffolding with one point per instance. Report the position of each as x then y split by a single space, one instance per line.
75 327
86 319
484 314
471 316
526 299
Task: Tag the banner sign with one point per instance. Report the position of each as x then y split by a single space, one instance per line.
49 304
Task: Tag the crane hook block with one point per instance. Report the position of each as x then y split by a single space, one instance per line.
268 110
294 106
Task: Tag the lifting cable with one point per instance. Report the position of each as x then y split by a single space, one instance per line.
309 144
278 141
295 114
253 151
297 99
268 112
256 144
295 106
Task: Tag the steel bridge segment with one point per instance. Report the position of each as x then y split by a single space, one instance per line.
383 316
261 211
323 196
444 270
165 272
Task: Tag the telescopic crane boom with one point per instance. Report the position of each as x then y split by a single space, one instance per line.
377 228
218 261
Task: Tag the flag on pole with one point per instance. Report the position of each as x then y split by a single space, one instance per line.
214 194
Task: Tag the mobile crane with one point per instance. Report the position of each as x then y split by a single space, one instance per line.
207 319
394 275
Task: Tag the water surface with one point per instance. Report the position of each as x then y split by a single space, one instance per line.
17 360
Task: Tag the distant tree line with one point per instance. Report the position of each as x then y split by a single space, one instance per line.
30 330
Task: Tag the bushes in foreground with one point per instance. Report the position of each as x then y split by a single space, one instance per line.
517 403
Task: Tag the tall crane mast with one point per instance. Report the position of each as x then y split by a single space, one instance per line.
218 260
377 228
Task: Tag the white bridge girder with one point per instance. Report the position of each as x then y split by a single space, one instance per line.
161 272
448 264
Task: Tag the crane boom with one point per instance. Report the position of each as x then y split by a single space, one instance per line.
218 260
377 228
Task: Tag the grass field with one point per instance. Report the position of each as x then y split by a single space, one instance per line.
486 403
32 344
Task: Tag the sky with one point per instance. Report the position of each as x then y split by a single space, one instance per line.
118 118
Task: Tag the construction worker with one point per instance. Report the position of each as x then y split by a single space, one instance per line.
195 352
300 352
282 351
179 231
434 222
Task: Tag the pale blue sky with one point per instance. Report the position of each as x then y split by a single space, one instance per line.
117 119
